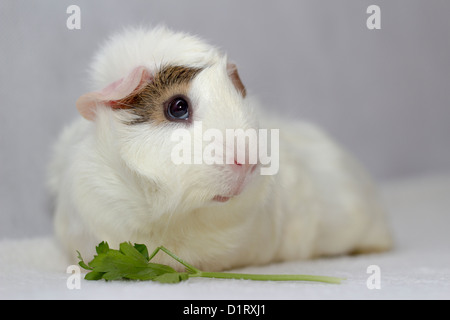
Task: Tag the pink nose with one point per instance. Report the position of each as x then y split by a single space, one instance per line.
247 167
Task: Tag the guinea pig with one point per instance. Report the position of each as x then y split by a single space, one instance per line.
134 166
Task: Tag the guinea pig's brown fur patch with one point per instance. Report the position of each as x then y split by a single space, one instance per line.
234 76
148 103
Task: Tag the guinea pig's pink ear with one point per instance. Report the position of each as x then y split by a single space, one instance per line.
114 93
234 76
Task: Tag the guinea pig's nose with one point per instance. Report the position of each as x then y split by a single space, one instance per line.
246 167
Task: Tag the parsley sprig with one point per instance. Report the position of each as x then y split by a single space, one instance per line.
134 262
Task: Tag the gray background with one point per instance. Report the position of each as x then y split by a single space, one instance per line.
384 94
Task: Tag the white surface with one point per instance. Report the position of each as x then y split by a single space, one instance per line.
418 267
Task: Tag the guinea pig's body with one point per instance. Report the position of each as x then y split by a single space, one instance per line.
115 180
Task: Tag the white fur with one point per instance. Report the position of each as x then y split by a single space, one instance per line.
115 182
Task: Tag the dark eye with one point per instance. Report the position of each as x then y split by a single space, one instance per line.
178 109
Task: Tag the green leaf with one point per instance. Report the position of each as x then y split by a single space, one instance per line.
126 263
128 250
116 261
102 247
142 248
94 275
161 268
144 274
172 277
81 263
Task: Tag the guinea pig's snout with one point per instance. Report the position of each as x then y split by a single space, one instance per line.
244 168
241 175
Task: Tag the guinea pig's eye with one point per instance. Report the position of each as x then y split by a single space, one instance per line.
177 109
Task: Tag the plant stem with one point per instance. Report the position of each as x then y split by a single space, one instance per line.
267 277
184 263
194 272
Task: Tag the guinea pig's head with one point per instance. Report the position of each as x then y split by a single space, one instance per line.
173 111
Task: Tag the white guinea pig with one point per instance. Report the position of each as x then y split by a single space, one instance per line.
117 175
